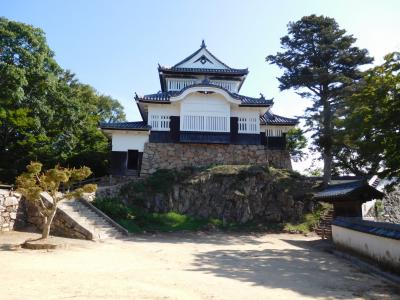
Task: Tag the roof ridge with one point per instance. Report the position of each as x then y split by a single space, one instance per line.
202 47
165 96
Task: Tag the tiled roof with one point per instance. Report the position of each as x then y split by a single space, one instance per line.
388 230
344 189
140 125
204 70
164 97
227 70
272 119
340 189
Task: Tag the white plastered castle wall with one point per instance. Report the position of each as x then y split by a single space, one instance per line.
205 104
164 109
129 140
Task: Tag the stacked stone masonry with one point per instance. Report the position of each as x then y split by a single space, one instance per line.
177 156
63 224
12 213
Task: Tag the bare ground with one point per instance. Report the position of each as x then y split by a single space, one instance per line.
184 266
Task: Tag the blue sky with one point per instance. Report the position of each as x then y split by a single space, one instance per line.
115 46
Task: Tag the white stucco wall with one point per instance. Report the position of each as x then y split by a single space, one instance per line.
237 111
207 105
378 248
129 140
164 109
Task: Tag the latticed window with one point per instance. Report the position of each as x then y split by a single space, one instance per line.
248 125
205 123
274 131
159 122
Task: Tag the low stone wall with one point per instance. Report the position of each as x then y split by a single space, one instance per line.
230 193
177 156
391 206
12 213
63 225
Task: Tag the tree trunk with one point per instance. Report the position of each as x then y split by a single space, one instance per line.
47 222
327 139
327 156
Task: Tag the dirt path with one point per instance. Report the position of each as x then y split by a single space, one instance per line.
184 266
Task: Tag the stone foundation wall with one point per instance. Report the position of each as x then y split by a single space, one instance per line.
237 194
63 225
12 212
177 156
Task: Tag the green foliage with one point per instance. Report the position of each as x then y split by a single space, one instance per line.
114 208
136 219
379 209
370 130
35 181
140 219
161 181
296 143
320 61
309 220
45 113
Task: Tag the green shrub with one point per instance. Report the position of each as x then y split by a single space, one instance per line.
113 207
309 220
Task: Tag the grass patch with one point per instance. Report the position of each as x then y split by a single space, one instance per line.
137 220
309 220
166 222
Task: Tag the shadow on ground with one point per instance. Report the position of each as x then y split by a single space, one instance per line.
212 238
305 270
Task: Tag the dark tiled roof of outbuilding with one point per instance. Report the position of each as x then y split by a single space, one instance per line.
164 97
271 119
339 189
139 125
344 189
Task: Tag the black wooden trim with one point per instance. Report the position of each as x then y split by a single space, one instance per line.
263 139
160 137
175 128
205 137
234 129
140 159
276 142
248 139
118 160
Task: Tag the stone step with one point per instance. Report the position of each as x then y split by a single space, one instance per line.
91 220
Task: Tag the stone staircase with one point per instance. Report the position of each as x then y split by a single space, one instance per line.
324 227
93 220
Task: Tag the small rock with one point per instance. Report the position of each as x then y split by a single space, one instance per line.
11 201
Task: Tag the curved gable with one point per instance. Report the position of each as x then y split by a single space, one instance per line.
205 104
202 59
207 91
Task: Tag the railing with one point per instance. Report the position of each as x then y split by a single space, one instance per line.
6 186
178 84
228 85
81 183
205 123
